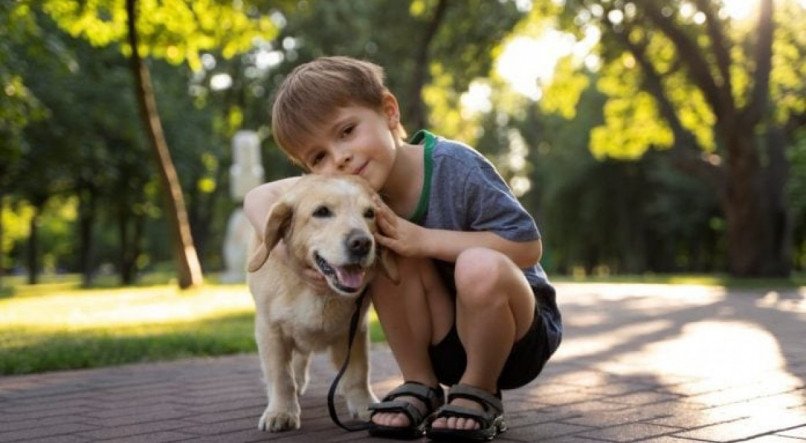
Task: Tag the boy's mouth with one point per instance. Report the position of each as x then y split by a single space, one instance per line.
360 169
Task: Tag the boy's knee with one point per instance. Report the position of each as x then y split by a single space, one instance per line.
478 275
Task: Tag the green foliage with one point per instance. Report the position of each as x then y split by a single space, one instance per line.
632 123
606 217
18 106
796 194
70 136
15 219
174 30
562 96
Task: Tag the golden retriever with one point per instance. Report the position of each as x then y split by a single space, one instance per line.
327 224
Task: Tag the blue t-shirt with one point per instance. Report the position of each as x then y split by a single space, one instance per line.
462 191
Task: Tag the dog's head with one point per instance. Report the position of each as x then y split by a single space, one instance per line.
327 223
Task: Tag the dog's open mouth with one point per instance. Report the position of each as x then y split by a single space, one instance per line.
348 279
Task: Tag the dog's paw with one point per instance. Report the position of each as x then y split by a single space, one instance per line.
358 405
274 421
361 414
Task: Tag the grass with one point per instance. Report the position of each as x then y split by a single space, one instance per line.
57 325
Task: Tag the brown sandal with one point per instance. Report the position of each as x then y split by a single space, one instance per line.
491 419
433 398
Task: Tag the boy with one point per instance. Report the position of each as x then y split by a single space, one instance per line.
473 310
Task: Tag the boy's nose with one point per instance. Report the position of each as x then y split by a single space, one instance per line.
343 159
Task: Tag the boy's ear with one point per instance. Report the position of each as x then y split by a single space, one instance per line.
391 110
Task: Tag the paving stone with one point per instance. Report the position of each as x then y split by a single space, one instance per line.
116 432
799 432
630 432
756 426
44 431
154 437
634 365
604 419
772 439
540 431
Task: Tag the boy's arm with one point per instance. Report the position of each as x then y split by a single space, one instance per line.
411 240
258 202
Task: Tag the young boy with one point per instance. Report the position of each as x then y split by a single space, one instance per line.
474 309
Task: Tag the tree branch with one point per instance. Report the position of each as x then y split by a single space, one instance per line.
689 52
685 152
721 50
759 97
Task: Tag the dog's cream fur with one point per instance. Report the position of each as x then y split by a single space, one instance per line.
326 223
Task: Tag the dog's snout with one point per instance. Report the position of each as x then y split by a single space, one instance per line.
358 243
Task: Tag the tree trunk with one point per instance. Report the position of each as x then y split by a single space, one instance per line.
415 117
2 254
743 208
33 248
780 222
188 268
85 228
128 254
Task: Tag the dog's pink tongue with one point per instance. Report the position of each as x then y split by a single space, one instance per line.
350 277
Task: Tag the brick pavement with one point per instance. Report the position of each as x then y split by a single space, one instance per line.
638 362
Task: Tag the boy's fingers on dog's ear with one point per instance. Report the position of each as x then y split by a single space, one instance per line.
387 227
380 204
382 240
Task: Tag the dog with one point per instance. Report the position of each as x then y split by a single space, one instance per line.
327 224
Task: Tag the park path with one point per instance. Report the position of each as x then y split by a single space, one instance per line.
638 362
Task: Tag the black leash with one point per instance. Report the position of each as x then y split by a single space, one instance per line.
331 394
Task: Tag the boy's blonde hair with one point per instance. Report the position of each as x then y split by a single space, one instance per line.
312 93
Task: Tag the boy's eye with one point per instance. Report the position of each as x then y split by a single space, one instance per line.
322 212
316 159
347 131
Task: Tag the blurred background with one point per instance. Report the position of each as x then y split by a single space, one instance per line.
661 137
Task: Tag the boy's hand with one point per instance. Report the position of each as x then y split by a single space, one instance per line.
396 233
309 275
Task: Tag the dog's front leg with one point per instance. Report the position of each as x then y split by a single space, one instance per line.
300 363
354 384
283 411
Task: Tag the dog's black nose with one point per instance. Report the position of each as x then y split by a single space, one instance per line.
358 243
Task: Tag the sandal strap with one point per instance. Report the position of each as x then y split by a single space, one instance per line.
483 418
432 397
485 399
414 414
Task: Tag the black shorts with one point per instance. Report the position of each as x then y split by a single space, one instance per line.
528 355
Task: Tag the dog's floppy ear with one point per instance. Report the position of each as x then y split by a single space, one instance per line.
276 224
389 264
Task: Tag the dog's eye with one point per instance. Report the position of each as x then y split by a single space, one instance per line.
369 213
322 211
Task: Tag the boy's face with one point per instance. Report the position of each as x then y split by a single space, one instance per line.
357 141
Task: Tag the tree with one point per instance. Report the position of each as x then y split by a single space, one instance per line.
431 50
178 31
682 75
18 106
189 268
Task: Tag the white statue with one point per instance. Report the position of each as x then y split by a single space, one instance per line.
246 172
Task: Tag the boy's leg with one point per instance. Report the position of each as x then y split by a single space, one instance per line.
494 308
414 314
